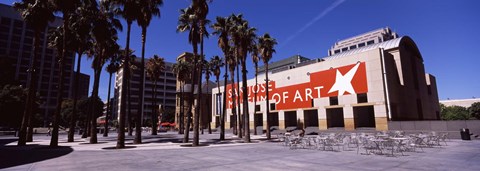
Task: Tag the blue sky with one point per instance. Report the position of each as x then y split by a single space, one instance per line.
445 31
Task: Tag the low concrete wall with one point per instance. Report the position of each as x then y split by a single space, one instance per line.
452 127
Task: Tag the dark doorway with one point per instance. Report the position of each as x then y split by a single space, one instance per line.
233 120
364 117
273 118
335 118
217 121
258 123
310 118
290 120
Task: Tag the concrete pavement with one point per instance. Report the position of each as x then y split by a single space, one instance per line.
166 152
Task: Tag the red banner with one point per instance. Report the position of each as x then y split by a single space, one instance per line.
350 79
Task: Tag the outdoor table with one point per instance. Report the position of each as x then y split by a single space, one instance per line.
378 143
399 140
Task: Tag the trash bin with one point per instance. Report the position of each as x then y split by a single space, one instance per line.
465 133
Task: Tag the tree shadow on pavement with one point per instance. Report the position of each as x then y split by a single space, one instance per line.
11 156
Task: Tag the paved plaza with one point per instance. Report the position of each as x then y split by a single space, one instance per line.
166 152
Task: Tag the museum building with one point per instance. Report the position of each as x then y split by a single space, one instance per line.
365 82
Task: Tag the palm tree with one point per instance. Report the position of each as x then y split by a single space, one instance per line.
208 73
37 14
80 26
154 68
127 9
215 64
255 60
111 68
182 70
188 20
243 37
148 9
56 40
67 8
222 28
201 11
232 63
266 47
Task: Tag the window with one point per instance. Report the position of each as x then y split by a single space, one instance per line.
333 101
370 42
362 98
6 21
337 51
219 103
353 47
361 45
344 49
273 106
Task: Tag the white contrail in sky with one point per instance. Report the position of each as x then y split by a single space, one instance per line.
313 21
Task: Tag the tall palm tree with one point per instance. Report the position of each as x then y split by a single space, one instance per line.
208 73
232 63
255 60
243 37
201 11
111 68
148 9
182 69
215 64
154 68
222 28
36 13
127 9
80 26
67 8
188 21
266 46
56 40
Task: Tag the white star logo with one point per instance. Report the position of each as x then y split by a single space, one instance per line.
343 82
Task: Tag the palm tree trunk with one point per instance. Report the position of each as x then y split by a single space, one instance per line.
105 132
255 98
154 103
191 99
234 108
123 111
198 111
27 115
224 109
209 113
239 112
86 127
182 110
93 113
129 115
138 120
218 87
246 116
73 118
268 101
54 138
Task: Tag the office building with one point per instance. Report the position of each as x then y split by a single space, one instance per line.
165 93
16 45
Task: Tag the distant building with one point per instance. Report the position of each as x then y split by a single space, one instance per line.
283 64
365 39
165 91
206 95
460 102
359 88
83 85
16 45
